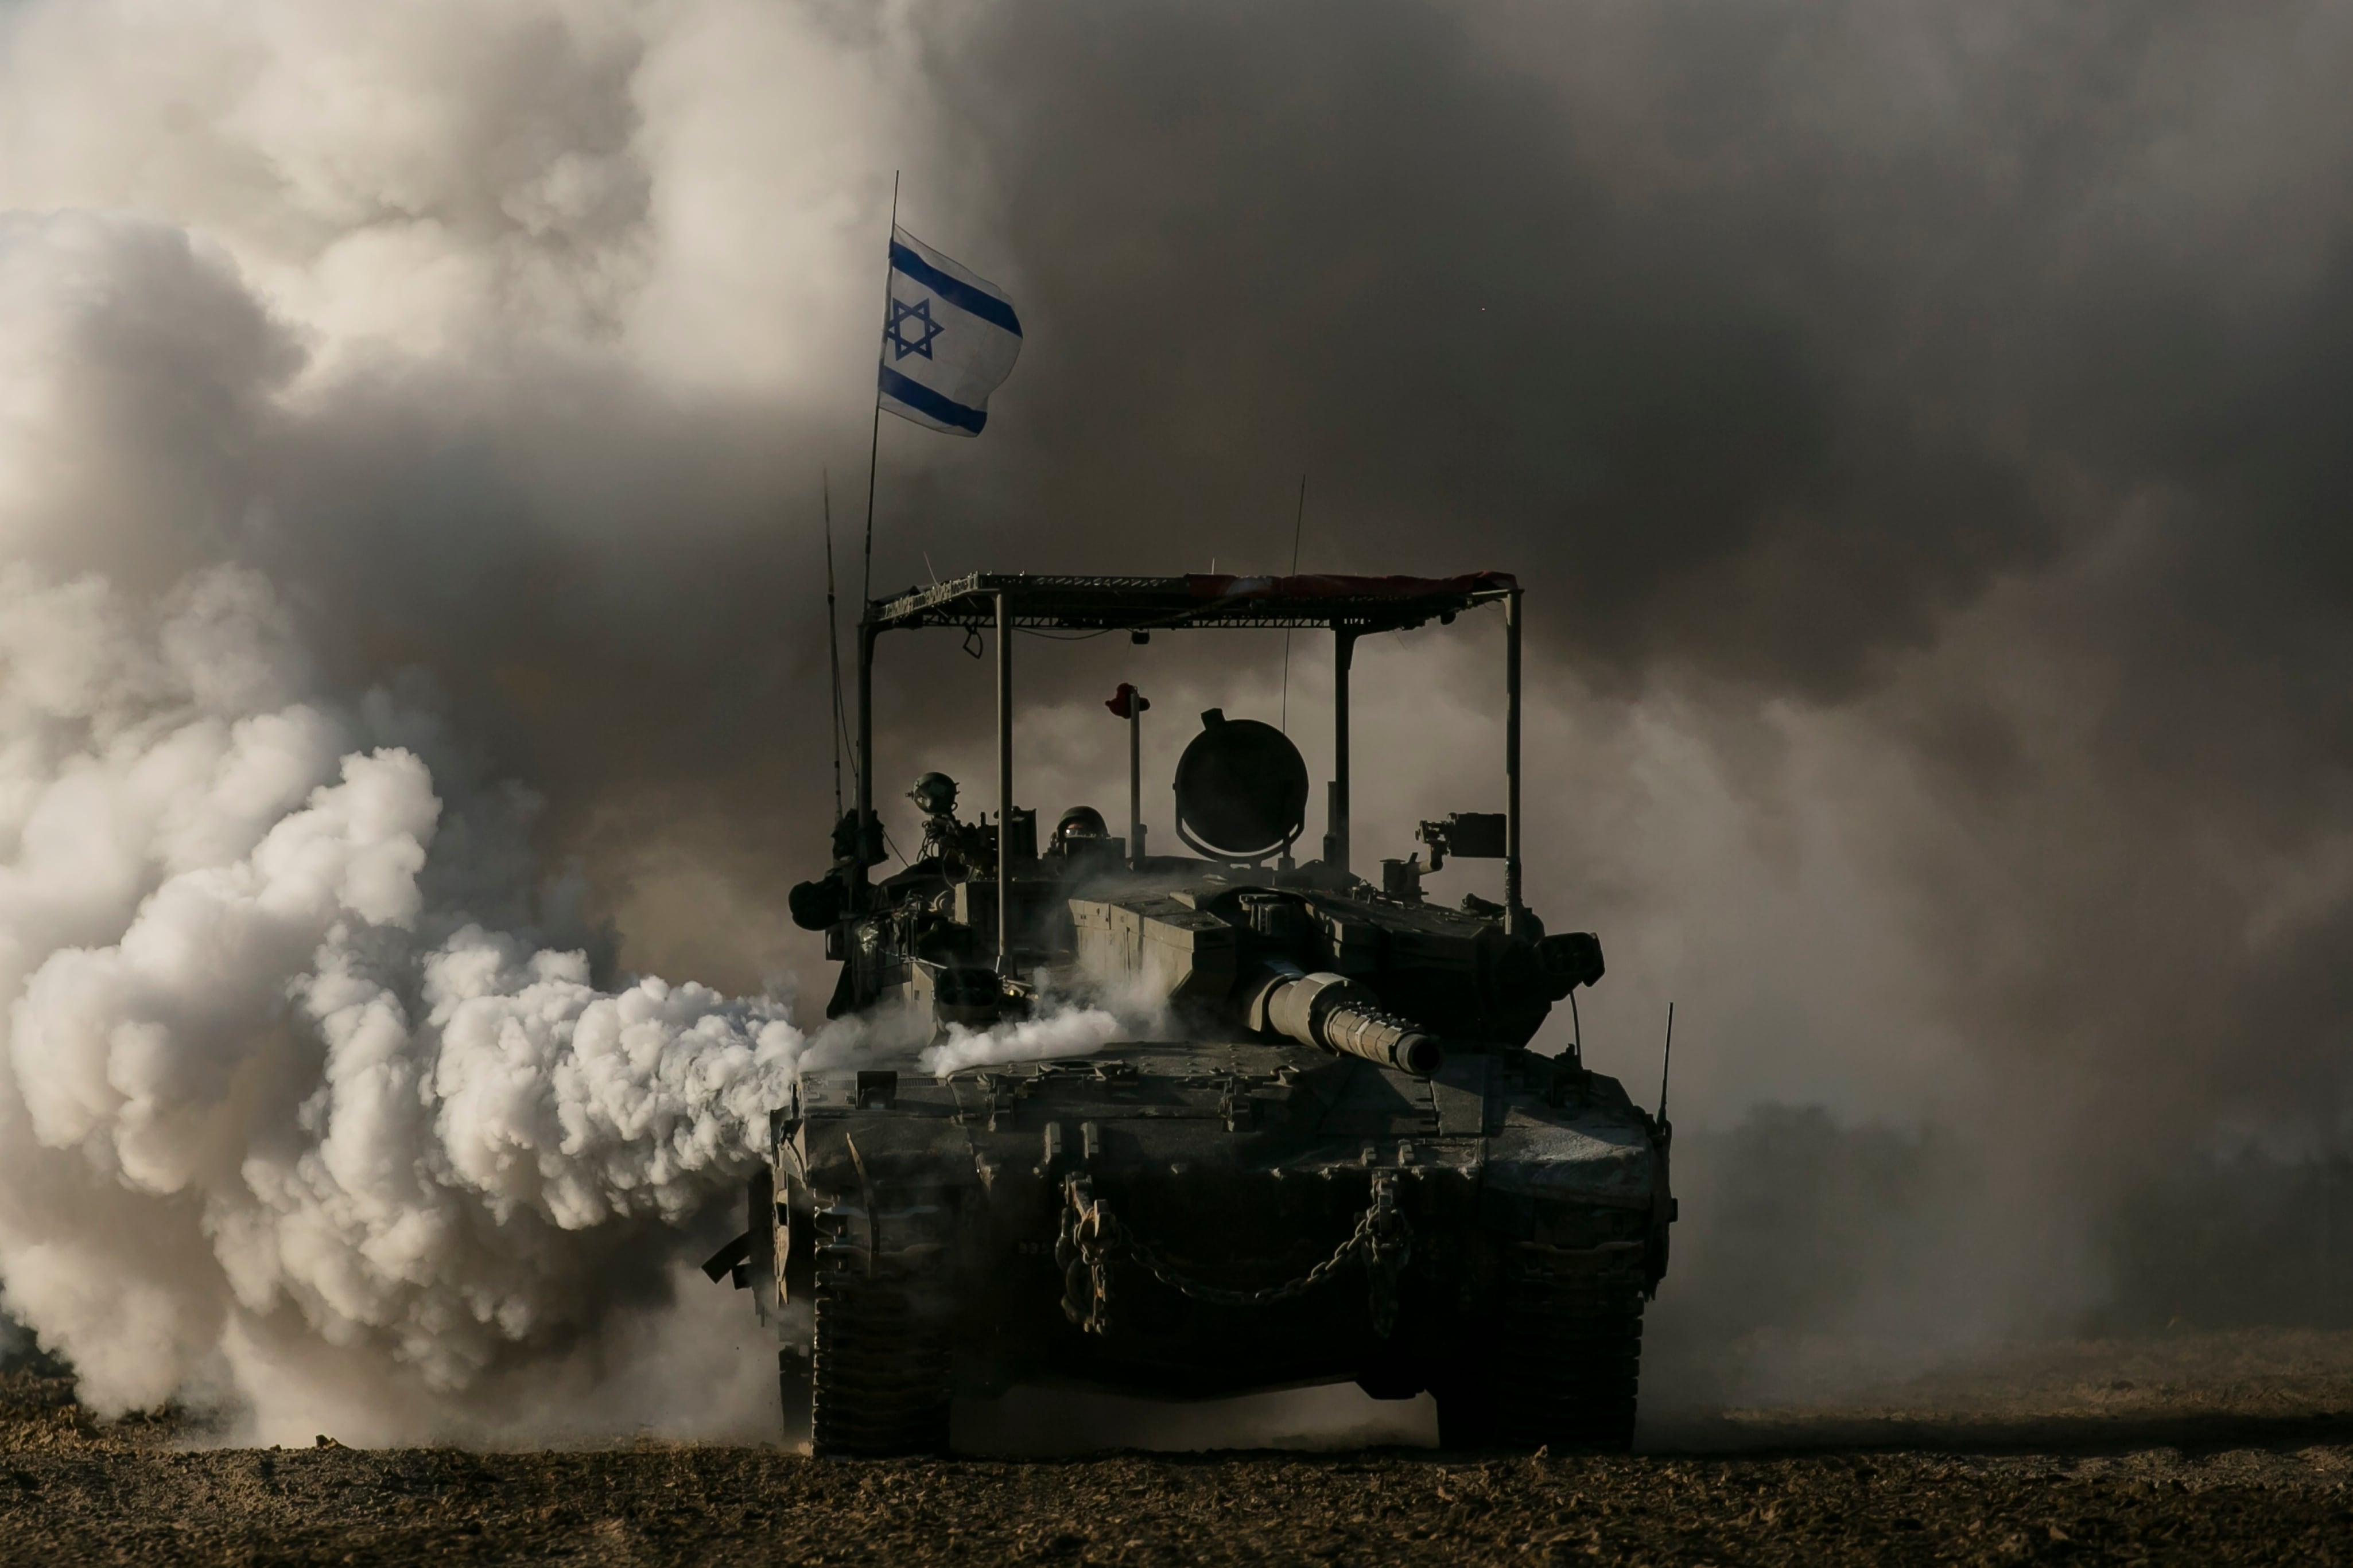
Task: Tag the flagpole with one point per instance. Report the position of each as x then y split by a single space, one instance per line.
874 438
865 770
832 647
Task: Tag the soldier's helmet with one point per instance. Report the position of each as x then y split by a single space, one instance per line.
1081 822
935 794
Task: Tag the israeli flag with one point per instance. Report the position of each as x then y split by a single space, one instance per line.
950 340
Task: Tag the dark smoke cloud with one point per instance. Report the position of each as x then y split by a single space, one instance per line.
1969 386
1702 378
1976 380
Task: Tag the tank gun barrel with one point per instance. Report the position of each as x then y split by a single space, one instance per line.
1335 1013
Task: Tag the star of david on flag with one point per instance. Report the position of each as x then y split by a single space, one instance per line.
950 340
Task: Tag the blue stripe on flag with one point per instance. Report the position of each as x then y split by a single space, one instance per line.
924 400
954 290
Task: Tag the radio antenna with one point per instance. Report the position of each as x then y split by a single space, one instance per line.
1297 523
1666 1061
832 640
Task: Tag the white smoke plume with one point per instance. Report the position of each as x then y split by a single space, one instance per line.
270 1072
1061 1032
283 1092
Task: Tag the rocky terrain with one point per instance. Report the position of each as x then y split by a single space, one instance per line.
2219 1448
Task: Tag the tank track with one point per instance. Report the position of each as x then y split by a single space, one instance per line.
1561 1368
882 1364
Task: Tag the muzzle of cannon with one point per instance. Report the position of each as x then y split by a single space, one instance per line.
1335 1013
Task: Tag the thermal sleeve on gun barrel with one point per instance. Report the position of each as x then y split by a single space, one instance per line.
1336 1014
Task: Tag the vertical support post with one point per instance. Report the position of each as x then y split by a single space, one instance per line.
866 635
1004 783
1513 912
1134 780
1335 811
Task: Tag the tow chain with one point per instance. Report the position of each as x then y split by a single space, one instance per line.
1091 1238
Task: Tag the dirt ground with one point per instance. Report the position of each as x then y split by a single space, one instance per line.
2220 1448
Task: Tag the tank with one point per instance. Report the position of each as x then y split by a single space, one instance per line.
1326 1153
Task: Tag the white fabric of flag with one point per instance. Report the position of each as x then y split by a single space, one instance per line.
950 340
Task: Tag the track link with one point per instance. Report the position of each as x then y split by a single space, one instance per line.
882 1365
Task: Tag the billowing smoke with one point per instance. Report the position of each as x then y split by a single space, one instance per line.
271 1076
1920 431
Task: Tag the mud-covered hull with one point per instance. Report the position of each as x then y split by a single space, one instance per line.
1195 1219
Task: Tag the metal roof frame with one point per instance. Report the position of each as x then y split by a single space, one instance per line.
1348 607
1197 601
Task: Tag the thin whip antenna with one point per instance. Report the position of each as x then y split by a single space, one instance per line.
832 640
1297 524
1666 1061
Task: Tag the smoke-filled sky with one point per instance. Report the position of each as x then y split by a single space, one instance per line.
1914 424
